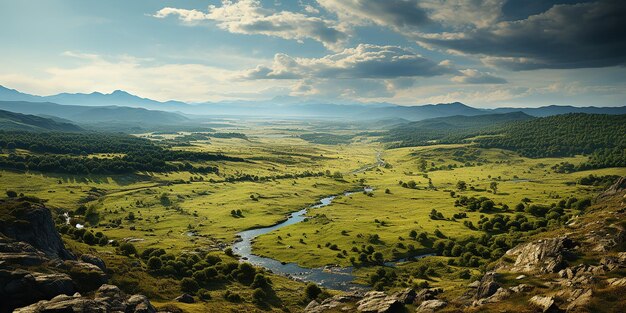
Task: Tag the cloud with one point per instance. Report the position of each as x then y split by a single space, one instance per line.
472 76
250 18
564 37
145 77
364 61
390 13
461 13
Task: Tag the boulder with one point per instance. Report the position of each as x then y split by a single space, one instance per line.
546 304
185 298
430 306
139 304
65 303
94 260
113 296
19 288
87 276
487 287
378 302
580 300
427 294
342 302
406 296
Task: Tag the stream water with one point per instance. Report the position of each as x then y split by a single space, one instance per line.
339 278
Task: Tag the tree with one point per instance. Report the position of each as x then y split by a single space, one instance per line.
461 185
11 194
494 186
312 291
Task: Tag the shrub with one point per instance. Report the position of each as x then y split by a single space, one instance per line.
11 194
89 238
127 249
232 297
154 263
312 291
260 281
258 295
189 285
204 294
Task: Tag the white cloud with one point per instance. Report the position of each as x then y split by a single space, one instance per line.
472 76
363 61
91 72
250 18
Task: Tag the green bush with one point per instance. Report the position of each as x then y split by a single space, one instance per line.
127 249
312 291
189 285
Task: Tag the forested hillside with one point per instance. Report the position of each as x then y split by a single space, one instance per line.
73 153
450 129
603 137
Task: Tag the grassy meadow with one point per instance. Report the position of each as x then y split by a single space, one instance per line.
185 212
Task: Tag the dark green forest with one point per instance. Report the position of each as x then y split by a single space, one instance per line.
68 153
602 137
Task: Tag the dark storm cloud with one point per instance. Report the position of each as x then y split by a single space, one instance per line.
565 36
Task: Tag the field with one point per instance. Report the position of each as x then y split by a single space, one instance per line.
183 212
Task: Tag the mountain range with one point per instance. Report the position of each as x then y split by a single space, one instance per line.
122 106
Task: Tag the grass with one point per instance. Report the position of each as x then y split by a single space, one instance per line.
180 213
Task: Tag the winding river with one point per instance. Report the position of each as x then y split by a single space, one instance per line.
334 278
338 278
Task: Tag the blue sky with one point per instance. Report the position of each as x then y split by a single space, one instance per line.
485 53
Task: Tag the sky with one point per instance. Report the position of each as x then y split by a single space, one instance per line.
484 53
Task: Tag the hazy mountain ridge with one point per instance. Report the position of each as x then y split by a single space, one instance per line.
288 107
17 121
93 114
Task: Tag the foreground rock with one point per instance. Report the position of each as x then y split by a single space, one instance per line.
379 302
185 298
35 227
343 302
430 306
108 299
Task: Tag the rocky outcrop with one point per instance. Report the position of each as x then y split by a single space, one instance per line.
20 287
94 260
379 302
430 306
540 256
426 294
545 304
32 223
343 302
20 253
487 286
617 187
107 299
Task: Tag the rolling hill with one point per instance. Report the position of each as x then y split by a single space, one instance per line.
450 128
16 121
95 114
